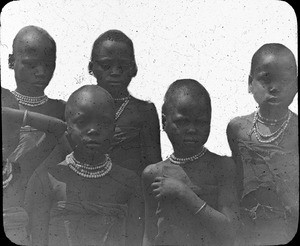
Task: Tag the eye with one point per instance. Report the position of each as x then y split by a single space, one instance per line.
182 122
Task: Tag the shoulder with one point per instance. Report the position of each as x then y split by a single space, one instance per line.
225 166
144 106
152 171
58 106
238 124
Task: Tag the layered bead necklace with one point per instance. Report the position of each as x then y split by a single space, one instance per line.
6 174
123 106
30 101
89 171
181 161
277 135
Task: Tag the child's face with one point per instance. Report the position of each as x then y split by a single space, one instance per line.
112 65
92 126
274 82
188 123
34 65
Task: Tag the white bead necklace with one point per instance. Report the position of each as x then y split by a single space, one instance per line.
6 174
181 161
89 171
272 122
30 101
276 136
122 107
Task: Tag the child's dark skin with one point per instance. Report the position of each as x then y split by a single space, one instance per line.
90 117
137 135
273 82
171 187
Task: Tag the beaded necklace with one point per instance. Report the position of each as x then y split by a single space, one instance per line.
30 101
89 171
181 161
6 174
122 107
277 135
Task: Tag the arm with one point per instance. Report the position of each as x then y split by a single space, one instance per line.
53 127
151 135
222 222
150 230
231 131
44 123
135 216
37 204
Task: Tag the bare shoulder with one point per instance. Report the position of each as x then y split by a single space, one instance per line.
58 106
152 171
143 106
224 165
239 125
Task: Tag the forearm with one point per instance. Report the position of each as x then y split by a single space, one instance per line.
39 121
216 222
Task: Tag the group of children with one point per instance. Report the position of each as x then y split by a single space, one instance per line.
89 171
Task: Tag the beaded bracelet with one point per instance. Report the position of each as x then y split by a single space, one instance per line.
25 117
204 204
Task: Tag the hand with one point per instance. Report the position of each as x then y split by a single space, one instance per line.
167 187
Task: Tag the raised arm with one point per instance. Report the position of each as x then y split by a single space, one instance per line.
41 122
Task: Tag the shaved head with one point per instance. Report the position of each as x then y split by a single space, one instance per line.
271 51
183 88
29 38
92 96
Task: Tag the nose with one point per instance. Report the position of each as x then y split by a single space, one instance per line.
93 131
274 88
191 128
116 70
40 70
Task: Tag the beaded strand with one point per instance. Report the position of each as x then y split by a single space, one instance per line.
181 161
87 170
30 101
269 138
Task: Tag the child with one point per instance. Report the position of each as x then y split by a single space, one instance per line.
190 198
264 146
33 61
137 135
15 176
86 199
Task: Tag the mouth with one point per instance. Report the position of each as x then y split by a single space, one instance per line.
92 144
273 100
190 141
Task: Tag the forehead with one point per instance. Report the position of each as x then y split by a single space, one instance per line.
190 105
34 45
89 105
113 48
280 64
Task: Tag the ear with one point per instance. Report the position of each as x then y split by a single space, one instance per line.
133 70
163 121
250 79
90 68
11 61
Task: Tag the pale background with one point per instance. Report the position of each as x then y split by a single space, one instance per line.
210 41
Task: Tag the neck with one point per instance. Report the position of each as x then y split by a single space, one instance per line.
30 93
89 158
119 94
180 152
273 113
